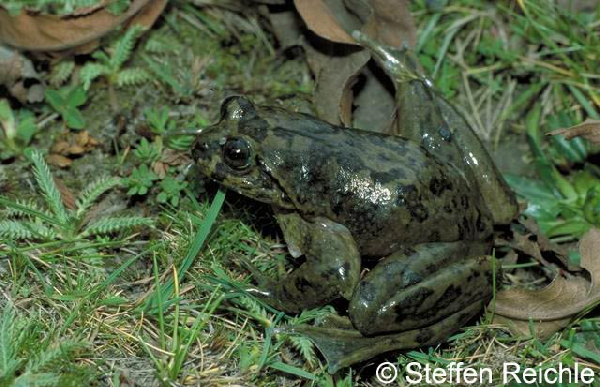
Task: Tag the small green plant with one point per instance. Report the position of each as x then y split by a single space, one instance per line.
66 102
61 71
171 191
564 205
148 152
17 130
141 180
109 65
163 126
27 361
25 220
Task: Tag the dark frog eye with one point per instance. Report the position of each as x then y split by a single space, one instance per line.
237 153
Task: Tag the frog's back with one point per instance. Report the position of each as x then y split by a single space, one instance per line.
387 190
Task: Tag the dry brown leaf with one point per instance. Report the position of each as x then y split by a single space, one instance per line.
324 21
588 129
333 91
59 36
82 138
338 66
76 150
160 169
552 307
173 157
58 160
391 23
66 195
74 145
61 148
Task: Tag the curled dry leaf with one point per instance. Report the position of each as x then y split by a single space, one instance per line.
75 145
588 129
552 307
58 160
59 36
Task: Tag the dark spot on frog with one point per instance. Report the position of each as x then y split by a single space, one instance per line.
445 133
450 295
346 268
412 302
424 335
302 284
479 224
409 197
439 185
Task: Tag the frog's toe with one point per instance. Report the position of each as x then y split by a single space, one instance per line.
261 279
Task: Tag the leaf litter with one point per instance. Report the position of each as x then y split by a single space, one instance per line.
554 306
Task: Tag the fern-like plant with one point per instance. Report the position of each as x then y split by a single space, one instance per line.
48 365
27 221
109 65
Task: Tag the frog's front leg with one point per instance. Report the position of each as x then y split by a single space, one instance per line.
422 286
331 270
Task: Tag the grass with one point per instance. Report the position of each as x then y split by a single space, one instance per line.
164 307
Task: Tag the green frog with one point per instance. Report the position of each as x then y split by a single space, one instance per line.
398 225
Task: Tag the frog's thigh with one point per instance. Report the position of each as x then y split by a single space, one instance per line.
422 286
332 267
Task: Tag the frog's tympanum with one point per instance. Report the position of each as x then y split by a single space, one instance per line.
418 207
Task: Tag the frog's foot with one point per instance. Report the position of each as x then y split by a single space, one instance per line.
344 347
400 63
258 276
422 286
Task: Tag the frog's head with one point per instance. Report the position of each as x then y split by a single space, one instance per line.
229 153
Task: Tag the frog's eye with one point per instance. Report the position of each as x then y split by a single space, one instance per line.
237 153
237 108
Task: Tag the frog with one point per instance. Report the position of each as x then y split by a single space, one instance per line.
396 227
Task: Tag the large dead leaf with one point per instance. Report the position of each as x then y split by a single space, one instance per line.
338 66
588 129
551 308
328 19
58 36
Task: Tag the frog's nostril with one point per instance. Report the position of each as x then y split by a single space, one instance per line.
201 151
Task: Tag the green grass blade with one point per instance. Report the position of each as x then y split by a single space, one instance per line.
195 247
288 369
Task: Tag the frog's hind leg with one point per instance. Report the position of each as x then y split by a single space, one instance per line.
411 299
421 286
